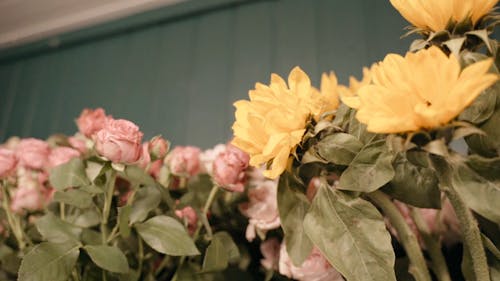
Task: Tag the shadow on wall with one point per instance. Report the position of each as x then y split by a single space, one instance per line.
179 78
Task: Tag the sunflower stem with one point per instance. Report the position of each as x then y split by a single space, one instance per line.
418 267
470 232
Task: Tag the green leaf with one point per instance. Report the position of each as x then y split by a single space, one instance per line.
414 185
233 253
146 199
74 197
167 236
85 217
292 207
339 148
91 237
488 168
123 220
71 174
216 258
107 257
92 189
351 233
482 195
53 229
369 170
136 174
358 129
95 169
49 262
483 106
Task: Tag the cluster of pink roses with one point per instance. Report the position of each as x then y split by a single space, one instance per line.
25 165
226 164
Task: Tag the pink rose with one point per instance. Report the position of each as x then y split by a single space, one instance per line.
270 250
61 155
155 168
91 121
145 159
119 141
314 268
78 144
208 156
8 162
190 216
33 153
229 169
184 161
28 195
158 147
262 209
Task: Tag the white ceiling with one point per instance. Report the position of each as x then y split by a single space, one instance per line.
23 21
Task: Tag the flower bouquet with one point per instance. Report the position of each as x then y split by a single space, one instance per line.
389 178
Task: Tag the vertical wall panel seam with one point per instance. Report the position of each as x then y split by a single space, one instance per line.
230 72
12 92
193 63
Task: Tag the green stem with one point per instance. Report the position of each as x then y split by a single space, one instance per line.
108 198
471 234
141 255
433 247
12 219
418 267
62 211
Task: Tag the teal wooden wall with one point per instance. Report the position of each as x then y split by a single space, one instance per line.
180 77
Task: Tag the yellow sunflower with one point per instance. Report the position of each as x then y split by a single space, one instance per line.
349 95
422 90
271 124
437 14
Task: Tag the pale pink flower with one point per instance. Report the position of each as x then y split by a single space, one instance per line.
208 156
61 155
145 159
78 144
33 153
8 162
229 168
188 214
158 147
28 195
184 161
270 250
91 121
119 141
314 268
262 209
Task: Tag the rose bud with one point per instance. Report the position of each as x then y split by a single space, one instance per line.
158 147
